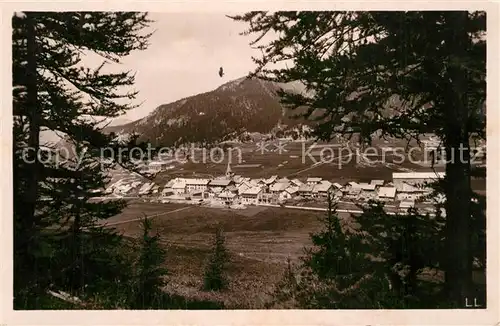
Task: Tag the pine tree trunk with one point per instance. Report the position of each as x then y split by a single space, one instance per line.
33 120
458 265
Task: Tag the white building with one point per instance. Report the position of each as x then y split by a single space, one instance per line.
338 186
227 197
251 196
167 192
322 189
146 188
278 187
305 190
157 166
271 180
377 182
313 180
292 191
367 190
386 193
296 182
219 184
284 179
196 184
179 187
287 194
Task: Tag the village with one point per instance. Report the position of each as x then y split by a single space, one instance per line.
405 190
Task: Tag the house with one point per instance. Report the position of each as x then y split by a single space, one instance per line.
259 183
287 194
243 179
270 180
242 187
367 186
251 196
214 192
305 190
322 189
146 188
282 180
351 187
268 198
227 197
386 193
296 182
410 192
196 184
367 190
292 191
237 178
170 183
197 195
416 179
278 187
179 187
157 166
353 193
167 192
313 181
220 184
337 185
377 182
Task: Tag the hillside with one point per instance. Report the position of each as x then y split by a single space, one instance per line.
233 111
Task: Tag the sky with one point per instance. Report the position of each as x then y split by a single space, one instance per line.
184 57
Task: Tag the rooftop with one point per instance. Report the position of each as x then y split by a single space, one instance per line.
366 186
306 188
271 179
219 182
202 182
387 192
252 191
323 186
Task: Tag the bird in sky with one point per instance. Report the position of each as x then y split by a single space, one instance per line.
221 72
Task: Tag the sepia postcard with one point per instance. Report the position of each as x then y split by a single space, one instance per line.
250 163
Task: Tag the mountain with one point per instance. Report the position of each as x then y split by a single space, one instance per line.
235 110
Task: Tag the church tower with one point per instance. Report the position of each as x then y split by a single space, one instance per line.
229 173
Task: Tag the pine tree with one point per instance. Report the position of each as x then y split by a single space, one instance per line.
403 246
400 74
150 278
335 269
56 236
214 277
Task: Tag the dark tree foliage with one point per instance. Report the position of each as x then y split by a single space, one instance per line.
150 273
337 272
336 252
56 239
404 248
401 74
215 278
374 261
